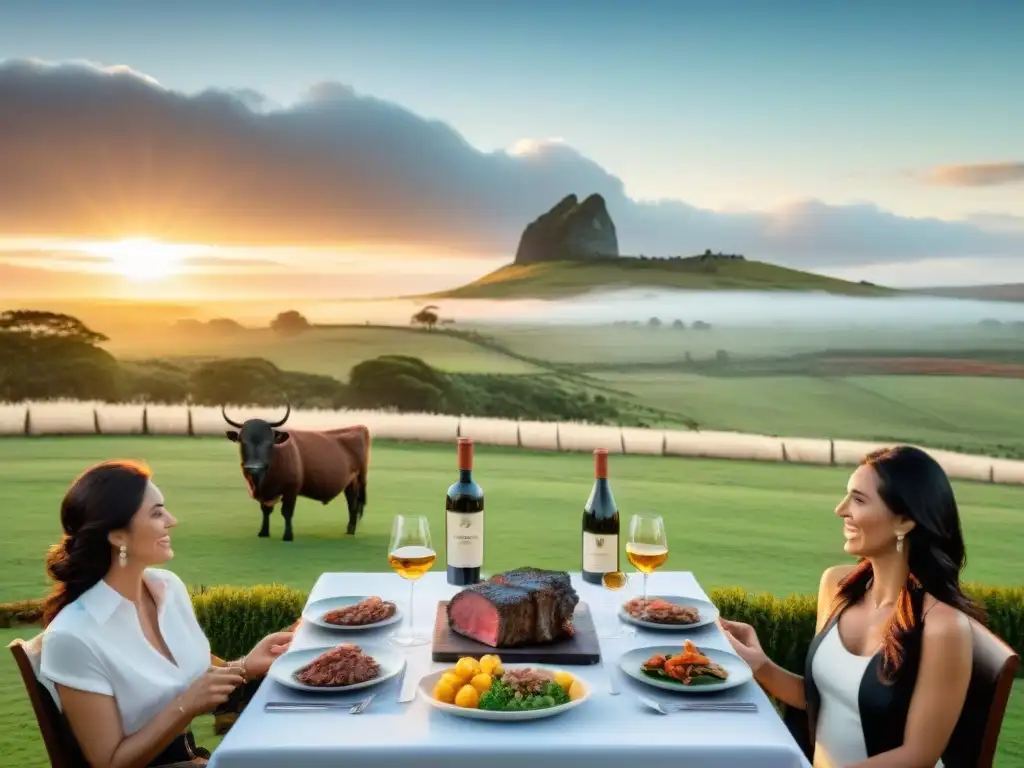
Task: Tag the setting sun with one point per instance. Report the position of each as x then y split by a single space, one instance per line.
140 258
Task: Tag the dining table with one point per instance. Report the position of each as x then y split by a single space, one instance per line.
613 727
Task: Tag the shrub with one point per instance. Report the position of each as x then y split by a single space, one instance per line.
236 618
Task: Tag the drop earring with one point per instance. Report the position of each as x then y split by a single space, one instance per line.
122 556
899 542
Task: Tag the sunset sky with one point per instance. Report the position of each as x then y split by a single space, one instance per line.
351 149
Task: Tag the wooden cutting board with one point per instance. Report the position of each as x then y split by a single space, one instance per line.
582 648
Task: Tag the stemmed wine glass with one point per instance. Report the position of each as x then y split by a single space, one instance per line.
647 548
411 555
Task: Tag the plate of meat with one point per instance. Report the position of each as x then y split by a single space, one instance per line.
343 667
690 669
352 612
668 612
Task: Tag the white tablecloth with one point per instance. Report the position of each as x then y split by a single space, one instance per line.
606 731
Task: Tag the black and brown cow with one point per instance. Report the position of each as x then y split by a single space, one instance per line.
318 465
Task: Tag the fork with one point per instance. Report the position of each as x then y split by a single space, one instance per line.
353 707
667 708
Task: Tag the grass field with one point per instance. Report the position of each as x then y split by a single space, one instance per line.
758 526
560 279
972 414
606 345
331 351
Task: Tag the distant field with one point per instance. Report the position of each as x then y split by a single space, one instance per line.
624 344
571 278
331 351
971 414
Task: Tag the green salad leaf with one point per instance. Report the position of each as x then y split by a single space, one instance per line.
501 698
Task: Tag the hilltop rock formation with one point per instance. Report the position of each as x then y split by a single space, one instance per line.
571 231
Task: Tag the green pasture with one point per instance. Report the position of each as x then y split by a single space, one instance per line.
970 414
623 345
759 526
331 351
729 522
973 414
559 279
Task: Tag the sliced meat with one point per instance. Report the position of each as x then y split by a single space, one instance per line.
519 607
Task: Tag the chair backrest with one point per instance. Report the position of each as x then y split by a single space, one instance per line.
977 731
60 743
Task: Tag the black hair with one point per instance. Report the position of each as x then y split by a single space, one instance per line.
102 499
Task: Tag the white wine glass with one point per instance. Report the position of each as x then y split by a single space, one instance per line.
613 582
647 547
410 555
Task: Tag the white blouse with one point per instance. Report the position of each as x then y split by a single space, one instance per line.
838 674
96 644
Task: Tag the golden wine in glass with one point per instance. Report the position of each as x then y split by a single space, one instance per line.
613 581
647 547
411 555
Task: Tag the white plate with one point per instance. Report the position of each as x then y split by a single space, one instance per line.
426 689
314 613
739 672
708 614
285 667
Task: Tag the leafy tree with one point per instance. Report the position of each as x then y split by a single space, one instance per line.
40 324
289 323
428 316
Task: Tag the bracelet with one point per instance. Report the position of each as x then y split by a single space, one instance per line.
240 665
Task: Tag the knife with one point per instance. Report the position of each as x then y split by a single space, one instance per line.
407 687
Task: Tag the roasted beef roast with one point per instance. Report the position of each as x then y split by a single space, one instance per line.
521 607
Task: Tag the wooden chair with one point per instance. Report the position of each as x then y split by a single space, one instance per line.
974 739
60 743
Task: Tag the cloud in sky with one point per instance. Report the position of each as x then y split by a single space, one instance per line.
976 175
89 152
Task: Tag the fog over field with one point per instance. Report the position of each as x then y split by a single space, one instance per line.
723 308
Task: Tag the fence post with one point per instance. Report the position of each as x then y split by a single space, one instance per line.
831 452
558 437
191 429
519 435
622 440
28 421
96 422
145 419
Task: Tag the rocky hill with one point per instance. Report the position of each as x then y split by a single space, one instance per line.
571 231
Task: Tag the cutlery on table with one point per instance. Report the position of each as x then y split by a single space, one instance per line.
668 707
353 707
406 686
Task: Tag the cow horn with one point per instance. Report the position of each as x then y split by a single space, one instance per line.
224 413
287 413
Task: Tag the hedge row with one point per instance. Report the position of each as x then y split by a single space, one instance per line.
235 618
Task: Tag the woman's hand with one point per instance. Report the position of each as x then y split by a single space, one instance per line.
743 639
213 688
259 659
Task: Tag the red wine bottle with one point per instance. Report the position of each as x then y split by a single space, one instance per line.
600 525
464 522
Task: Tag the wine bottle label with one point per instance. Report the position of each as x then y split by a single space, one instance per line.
600 552
465 539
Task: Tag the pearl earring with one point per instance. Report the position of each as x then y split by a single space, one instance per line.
899 542
123 556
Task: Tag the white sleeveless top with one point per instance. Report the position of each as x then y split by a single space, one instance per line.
839 740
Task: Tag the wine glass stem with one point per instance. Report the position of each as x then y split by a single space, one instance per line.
412 608
645 592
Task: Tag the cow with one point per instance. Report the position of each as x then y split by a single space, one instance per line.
319 465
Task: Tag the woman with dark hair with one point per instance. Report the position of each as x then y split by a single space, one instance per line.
122 653
889 669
